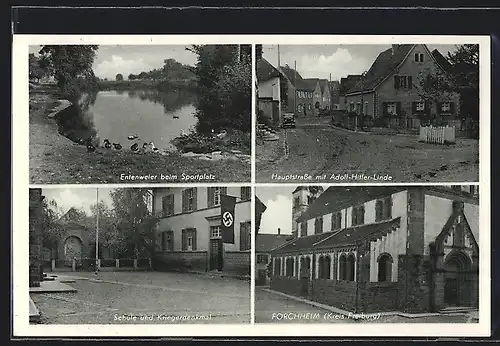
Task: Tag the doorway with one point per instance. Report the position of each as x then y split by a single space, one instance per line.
456 283
216 254
276 112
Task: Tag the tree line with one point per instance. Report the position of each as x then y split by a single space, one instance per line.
126 229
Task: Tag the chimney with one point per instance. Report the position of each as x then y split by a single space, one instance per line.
279 231
394 48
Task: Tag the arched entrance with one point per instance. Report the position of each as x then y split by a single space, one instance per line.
305 273
72 248
457 285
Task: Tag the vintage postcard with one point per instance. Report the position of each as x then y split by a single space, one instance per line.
251 185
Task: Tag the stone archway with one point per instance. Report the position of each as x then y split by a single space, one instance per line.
457 285
72 248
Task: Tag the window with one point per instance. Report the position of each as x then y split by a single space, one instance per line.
351 107
420 106
245 193
309 106
303 229
358 215
318 225
365 110
213 196
299 108
245 237
474 190
277 267
289 267
336 221
391 108
403 82
262 259
168 205
189 200
342 267
419 57
445 107
167 241
350 267
215 232
189 239
384 267
383 209
296 202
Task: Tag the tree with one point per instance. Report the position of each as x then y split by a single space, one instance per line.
435 87
224 82
134 220
119 77
132 77
465 63
71 66
52 230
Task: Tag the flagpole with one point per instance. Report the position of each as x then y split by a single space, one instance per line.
97 234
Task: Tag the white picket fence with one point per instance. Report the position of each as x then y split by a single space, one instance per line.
437 135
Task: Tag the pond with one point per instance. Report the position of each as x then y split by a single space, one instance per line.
147 116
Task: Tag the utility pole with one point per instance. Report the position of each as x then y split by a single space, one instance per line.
97 235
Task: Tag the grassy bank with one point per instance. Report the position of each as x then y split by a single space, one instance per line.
56 159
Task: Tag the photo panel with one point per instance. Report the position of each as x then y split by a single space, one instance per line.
368 254
172 112
391 112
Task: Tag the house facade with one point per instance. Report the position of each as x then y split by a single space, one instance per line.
321 96
189 234
388 94
372 249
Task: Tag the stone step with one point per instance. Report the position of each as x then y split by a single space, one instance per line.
457 309
271 138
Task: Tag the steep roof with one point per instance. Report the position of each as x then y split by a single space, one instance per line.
336 198
442 61
266 71
323 83
348 236
291 74
265 242
385 63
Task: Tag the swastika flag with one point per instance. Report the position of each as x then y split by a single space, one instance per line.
227 204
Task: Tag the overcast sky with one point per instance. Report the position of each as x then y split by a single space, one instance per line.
112 60
318 61
278 214
80 198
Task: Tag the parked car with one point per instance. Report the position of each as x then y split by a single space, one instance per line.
288 120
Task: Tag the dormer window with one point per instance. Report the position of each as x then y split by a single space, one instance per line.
419 57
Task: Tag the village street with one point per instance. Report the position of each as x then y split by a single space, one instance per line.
335 155
273 308
146 298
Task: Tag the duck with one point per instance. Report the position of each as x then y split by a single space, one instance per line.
222 134
132 137
183 134
175 116
117 146
107 144
155 149
90 147
134 147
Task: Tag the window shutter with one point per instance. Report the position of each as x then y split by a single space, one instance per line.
378 209
452 107
184 201
396 82
398 108
210 196
414 107
427 108
410 83
195 199
438 107
193 233
384 109
223 191
171 241
184 240
164 205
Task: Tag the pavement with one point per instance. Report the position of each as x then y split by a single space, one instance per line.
55 286
275 307
146 298
323 152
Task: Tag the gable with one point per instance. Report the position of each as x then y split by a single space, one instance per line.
449 232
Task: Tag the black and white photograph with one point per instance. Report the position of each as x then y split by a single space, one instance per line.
367 254
367 113
167 255
139 113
